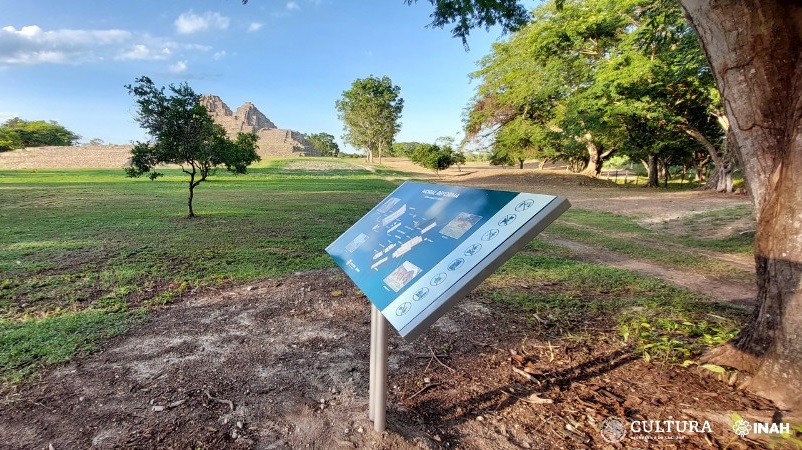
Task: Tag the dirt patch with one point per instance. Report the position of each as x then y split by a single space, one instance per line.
649 205
320 166
284 364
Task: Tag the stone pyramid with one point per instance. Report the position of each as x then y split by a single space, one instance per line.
273 141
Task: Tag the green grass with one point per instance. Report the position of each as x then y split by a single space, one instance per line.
624 235
81 249
27 345
563 296
85 253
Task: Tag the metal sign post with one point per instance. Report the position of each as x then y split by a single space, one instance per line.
377 408
423 248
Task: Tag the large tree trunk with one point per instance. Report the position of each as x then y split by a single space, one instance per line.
651 171
596 157
755 48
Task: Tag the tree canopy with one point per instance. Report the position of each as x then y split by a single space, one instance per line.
324 143
370 111
183 133
17 133
585 80
434 157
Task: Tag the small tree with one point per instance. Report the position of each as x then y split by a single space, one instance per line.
182 132
433 157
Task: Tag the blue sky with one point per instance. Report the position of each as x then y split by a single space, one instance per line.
69 61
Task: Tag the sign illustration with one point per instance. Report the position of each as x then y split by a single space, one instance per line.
425 246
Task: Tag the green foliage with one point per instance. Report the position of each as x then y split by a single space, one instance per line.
17 133
370 112
674 340
586 80
184 133
433 157
469 14
405 149
324 143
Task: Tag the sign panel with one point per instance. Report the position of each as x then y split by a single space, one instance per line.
426 246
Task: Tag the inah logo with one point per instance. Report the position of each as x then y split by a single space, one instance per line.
613 429
741 427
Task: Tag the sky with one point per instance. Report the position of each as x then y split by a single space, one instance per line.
69 61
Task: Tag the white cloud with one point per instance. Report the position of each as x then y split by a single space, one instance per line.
219 55
33 45
144 52
178 67
189 22
254 26
292 6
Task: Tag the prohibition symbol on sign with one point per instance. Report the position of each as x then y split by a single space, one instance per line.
524 205
508 219
473 249
403 308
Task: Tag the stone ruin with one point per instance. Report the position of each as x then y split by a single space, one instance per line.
272 141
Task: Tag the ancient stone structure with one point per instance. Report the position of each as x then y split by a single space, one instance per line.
273 141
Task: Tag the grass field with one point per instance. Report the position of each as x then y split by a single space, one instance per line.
85 253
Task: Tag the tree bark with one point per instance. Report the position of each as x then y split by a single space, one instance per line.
755 50
191 193
651 171
596 157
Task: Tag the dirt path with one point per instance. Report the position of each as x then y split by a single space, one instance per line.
735 292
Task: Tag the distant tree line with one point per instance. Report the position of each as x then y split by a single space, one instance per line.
17 133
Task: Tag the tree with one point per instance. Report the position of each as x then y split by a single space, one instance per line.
755 53
370 112
182 132
758 70
324 143
433 157
17 133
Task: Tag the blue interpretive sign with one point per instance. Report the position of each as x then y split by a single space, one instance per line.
426 246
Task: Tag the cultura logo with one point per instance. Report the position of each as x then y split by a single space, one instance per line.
613 429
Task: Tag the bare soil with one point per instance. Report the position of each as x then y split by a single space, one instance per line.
284 364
